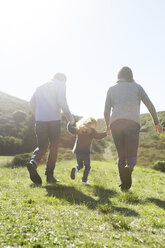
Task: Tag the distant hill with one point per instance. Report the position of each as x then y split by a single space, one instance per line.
9 106
17 133
17 130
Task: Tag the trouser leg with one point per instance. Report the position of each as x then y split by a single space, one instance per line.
80 162
52 157
119 141
131 144
87 167
54 130
42 141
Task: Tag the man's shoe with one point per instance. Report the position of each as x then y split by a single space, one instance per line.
51 179
73 172
34 176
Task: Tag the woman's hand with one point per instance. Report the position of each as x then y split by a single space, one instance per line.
158 128
108 131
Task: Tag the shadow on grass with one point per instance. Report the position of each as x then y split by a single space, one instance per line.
103 194
74 196
157 202
70 194
124 211
33 185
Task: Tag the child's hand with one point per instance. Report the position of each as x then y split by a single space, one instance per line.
72 122
108 131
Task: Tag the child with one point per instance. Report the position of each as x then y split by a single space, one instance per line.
85 132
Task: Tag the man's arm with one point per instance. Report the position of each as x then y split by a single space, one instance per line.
61 98
71 129
33 103
107 109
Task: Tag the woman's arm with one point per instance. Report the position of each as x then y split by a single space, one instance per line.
145 99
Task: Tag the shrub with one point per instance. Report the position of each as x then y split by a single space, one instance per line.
19 116
160 165
20 160
65 154
144 128
97 156
10 145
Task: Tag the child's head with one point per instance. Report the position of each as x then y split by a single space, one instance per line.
85 124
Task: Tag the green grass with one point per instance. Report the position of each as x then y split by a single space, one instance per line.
69 214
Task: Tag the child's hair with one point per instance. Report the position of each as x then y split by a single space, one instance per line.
84 124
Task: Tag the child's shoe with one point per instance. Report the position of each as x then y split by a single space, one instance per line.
86 183
73 172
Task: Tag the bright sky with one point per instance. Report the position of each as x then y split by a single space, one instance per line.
88 40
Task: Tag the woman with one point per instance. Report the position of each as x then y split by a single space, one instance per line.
124 99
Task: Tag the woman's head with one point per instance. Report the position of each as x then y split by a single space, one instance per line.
85 124
126 74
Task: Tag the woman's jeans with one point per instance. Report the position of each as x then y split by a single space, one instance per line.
48 135
83 159
126 138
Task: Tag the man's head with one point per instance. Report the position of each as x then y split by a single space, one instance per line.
60 77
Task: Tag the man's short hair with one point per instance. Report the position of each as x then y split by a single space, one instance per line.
60 77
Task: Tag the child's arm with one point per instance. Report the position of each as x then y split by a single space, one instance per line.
71 129
98 136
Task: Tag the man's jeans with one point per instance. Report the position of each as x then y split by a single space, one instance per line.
48 134
83 159
126 138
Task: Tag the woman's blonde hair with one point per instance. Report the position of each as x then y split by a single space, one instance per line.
84 124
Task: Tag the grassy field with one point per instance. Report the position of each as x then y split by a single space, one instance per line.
69 214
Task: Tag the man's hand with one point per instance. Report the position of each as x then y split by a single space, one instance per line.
72 122
158 128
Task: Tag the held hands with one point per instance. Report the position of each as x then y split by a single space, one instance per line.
108 131
72 122
158 128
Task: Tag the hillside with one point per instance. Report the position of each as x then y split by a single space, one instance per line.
9 106
17 130
69 214
17 134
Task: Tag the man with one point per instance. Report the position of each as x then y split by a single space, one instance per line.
46 103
